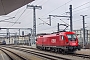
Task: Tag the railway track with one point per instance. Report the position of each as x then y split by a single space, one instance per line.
72 54
44 55
12 55
80 55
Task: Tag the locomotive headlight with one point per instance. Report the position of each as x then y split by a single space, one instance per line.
67 43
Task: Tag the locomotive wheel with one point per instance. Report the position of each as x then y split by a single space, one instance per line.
56 50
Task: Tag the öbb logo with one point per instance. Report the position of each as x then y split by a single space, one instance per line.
53 40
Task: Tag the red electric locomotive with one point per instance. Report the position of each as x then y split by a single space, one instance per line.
60 42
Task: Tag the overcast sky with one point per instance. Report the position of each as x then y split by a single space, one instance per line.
49 7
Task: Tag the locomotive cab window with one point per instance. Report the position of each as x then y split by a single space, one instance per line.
62 37
71 36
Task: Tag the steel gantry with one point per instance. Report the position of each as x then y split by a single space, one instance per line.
34 18
84 41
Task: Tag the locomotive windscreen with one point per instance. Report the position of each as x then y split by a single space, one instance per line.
71 37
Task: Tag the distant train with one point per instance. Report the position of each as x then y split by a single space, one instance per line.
3 42
61 42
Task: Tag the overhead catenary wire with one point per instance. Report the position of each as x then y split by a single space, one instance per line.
81 5
7 19
10 21
14 15
81 9
80 19
80 12
45 2
31 4
39 2
34 2
43 21
64 22
77 7
18 11
57 7
19 16
45 18
51 26
6 16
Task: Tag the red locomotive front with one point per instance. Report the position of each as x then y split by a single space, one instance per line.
63 41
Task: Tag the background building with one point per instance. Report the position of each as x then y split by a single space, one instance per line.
80 37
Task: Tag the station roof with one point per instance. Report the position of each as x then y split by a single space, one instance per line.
7 6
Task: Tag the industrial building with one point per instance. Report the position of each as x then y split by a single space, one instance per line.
80 35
